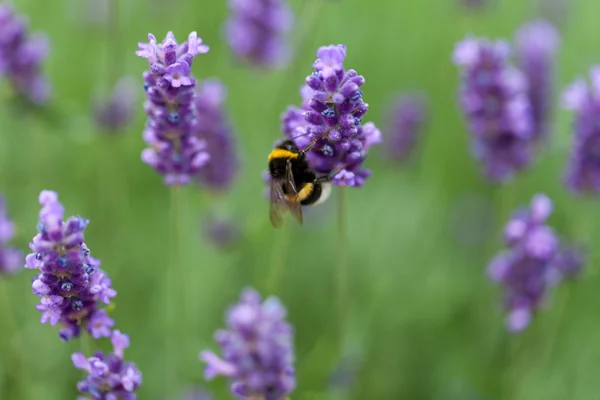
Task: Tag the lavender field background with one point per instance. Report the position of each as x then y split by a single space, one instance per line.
423 321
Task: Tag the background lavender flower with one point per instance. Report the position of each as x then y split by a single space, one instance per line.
21 56
196 394
110 377
406 120
214 129
11 260
256 31
535 260
536 45
70 282
114 113
494 101
175 151
257 349
583 170
221 232
334 109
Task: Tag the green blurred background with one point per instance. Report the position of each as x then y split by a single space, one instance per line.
422 319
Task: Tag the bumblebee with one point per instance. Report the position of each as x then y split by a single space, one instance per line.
293 182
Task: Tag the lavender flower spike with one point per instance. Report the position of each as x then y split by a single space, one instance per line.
11 260
256 31
407 118
495 103
110 377
257 350
534 261
536 46
21 57
70 282
583 170
114 113
175 152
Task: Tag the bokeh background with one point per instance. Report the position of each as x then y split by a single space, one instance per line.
422 319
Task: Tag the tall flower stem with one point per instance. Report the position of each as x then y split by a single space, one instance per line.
277 260
13 348
341 278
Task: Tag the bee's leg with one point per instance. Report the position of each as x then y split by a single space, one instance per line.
329 178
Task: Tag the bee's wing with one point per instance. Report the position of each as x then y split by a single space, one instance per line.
277 204
292 199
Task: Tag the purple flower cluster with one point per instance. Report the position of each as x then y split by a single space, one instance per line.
495 103
175 151
534 261
11 260
536 45
257 349
21 56
583 171
256 31
214 129
406 120
70 282
110 377
332 114
114 113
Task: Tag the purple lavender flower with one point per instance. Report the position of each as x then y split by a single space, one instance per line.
256 31
333 110
110 377
11 260
534 261
175 152
115 113
406 120
536 45
214 129
21 56
221 232
583 171
495 103
70 282
257 349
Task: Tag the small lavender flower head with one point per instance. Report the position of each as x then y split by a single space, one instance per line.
11 260
494 101
21 56
583 170
221 232
109 376
333 110
175 152
257 349
115 113
70 282
214 129
536 45
534 261
256 31
406 121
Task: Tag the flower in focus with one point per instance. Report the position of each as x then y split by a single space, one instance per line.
70 282
536 45
115 113
256 31
406 120
11 260
175 151
257 349
214 129
495 103
21 56
109 376
534 261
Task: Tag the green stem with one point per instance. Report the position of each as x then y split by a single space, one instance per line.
277 261
342 264
12 385
86 345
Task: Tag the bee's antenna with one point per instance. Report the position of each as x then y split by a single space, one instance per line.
331 175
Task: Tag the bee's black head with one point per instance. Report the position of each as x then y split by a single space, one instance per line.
288 145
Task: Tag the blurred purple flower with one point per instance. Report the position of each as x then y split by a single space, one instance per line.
256 31
175 152
70 282
257 349
109 376
21 56
11 259
220 232
534 261
214 129
536 45
494 101
196 394
406 121
115 113
583 171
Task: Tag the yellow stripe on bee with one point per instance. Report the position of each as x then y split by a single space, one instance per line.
306 190
281 153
